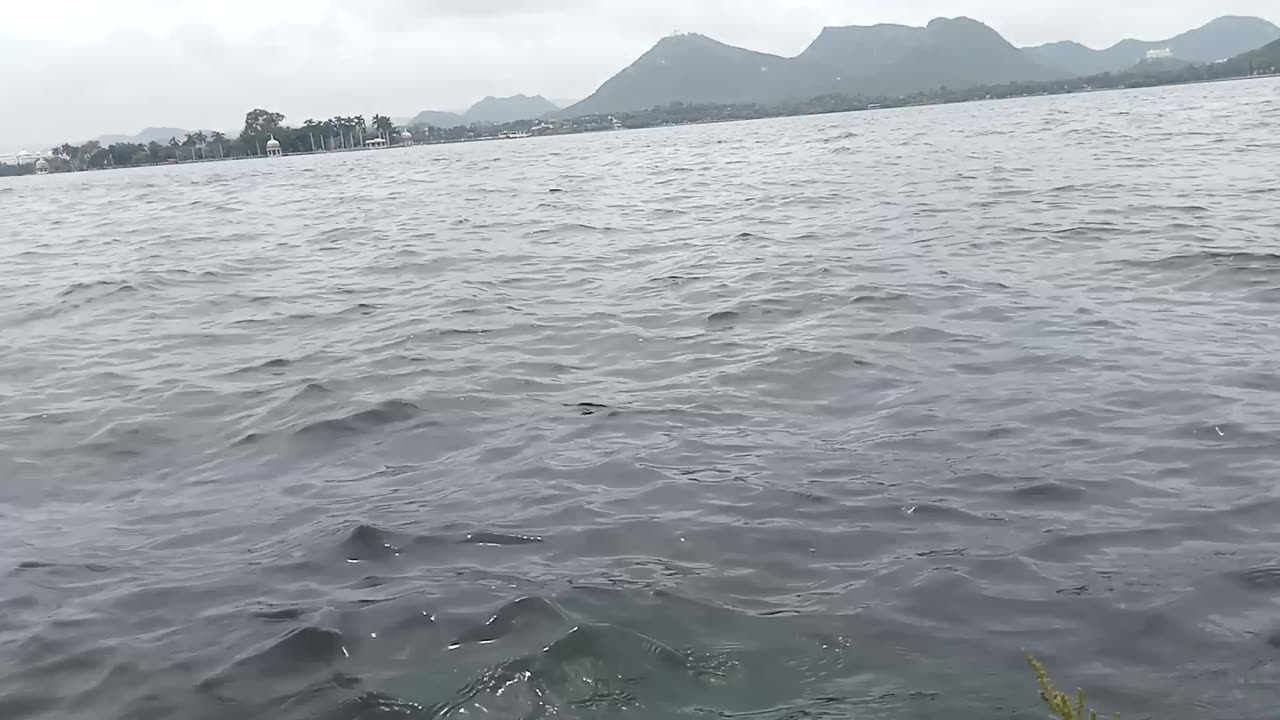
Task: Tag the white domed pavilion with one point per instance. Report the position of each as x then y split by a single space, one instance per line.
42 167
406 138
273 148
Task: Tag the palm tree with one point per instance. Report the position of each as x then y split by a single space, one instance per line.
384 126
310 127
219 138
336 123
201 140
331 129
361 127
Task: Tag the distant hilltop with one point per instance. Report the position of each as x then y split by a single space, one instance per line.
151 134
492 110
889 60
1223 38
877 64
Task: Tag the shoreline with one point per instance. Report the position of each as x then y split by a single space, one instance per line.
706 121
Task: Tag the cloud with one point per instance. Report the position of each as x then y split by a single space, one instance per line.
436 9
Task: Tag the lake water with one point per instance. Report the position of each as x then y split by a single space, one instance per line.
829 417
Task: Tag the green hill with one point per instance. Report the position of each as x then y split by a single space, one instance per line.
437 118
696 69
879 59
509 109
1265 59
1223 38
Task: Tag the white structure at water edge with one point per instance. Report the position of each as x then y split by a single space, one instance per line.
406 138
376 142
42 167
273 148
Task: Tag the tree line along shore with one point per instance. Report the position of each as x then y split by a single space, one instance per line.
336 134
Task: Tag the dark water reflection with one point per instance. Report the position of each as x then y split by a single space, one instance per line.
826 417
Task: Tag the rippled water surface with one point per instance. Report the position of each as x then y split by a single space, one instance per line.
811 418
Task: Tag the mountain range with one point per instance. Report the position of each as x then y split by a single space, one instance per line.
885 59
1223 38
490 110
874 60
152 134
1264 58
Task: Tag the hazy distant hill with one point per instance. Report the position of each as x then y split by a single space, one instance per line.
1221 39
510 109
1264 59
438 118
896 59
490 110
695 68
892 60
878 59
156 134
862 48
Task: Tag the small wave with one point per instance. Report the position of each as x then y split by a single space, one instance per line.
723 318
312 389
272 364
42 565
1213 259
279 615
96 289
310 652
1264 578
122 440
1090 230
509 619
388 412
500 539
943 553
595 666
1047 491
368 543
589 408
1213 271
879 299
924 334
447 332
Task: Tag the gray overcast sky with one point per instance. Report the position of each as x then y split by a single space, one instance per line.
81 68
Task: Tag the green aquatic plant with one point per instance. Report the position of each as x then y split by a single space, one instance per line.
1059 702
